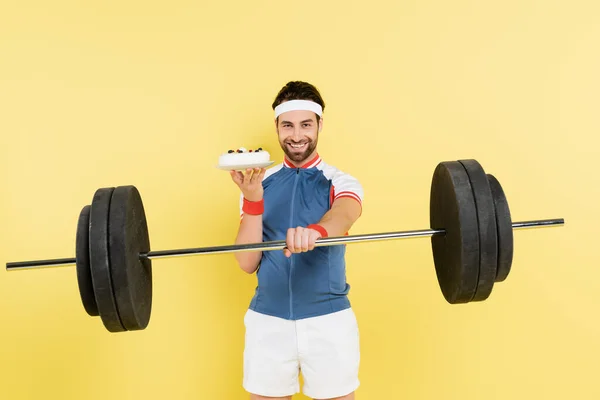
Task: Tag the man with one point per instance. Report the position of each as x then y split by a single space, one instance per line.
300 318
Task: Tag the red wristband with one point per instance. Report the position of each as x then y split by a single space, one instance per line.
253 207
319 228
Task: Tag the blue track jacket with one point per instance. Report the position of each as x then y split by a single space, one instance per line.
306 284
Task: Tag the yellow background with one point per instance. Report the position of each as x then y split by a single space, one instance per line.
150 93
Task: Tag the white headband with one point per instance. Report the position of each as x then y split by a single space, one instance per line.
293 105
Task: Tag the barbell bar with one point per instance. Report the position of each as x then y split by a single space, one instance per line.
471 233
275 245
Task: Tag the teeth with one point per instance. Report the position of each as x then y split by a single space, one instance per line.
297 146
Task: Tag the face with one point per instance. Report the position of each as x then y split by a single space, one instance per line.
298 134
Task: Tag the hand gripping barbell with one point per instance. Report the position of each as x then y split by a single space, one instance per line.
471 239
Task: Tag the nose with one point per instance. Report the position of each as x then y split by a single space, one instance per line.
297 135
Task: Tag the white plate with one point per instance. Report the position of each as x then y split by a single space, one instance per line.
245 166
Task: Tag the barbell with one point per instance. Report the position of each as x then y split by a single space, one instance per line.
471 233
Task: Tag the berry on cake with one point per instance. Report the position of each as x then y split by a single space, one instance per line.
242 158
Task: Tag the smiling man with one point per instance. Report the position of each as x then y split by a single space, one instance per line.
300 319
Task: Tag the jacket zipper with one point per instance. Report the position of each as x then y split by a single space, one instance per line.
291 257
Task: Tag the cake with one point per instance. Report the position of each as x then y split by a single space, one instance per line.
243 157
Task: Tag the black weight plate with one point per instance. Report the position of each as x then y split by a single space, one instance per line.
100 261
488 237
455 253
132 276
505 230
82 263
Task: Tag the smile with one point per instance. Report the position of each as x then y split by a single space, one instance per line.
297 146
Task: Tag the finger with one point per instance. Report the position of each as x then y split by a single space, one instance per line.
298 239
236 176
290 240
306 239
255 176
242 177
287 253
248 176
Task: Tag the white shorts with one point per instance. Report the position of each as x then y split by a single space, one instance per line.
325 349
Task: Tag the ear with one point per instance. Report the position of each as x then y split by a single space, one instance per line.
320 124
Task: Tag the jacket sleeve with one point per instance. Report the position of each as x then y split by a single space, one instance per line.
345 185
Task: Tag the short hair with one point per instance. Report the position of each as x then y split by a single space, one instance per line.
299 90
